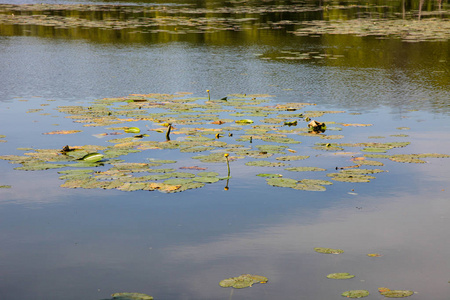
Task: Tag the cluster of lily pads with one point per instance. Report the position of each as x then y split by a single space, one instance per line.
248 280
236 128
386 292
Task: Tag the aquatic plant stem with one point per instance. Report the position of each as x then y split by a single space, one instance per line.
228 163
168 132
209 96
231 294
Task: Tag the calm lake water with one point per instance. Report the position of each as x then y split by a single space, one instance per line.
59 243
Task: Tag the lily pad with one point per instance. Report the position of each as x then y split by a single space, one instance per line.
282 182
328 250
396 294
304 169
340 276
243 281
92 157
356 293
131 296
265 163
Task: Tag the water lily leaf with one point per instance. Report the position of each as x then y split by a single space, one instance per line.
178 181
396 293
206 179
309 187
63 132
328 250
374 255
282 182
92 157
315 182
131 130
244 121
39 166
269 175
265 163
131 296
271 148
343 177
208 174
243 281
5 186
340 276
356 294
304 169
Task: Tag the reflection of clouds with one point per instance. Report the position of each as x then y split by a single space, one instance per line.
32 187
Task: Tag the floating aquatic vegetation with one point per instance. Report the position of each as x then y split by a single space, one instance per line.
354 175
131 296
374 255
131 130
340 276
394 293
282 182
328 250
265 163
305 169
5 186
269 175
356 293
264 137
63 132
432 29
292 157
243 281
92 157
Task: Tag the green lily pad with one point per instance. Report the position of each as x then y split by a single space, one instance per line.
340 276
282 182
243 281
355 294
309 187
206 179
328 250
92 157
292 157
396 294
265 163
244 121
304 169
269 175
131 296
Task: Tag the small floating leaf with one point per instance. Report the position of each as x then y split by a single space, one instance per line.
92 157
304 169
269 175
340 276
63 132
328 250
244 121
243 281
132 130
131 296
356 294
374 255
396 293
282 182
